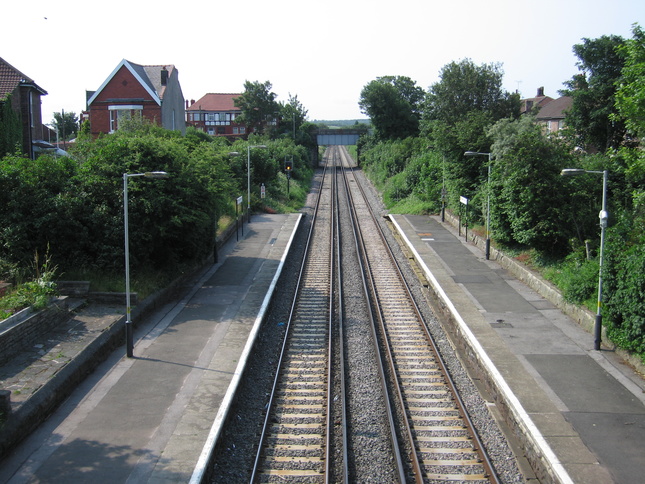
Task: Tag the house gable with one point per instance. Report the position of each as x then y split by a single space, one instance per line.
120 76
150 91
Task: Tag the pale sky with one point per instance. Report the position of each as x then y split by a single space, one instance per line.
323 52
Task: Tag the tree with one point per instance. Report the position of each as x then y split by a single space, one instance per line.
10 129
259 109
459 109
393 103
630 95
593 113
66 125
526 206
465 87
292 116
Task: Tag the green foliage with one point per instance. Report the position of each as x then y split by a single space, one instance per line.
258 105
393 104
630 96
34 293
66 125
526 205
593 114
577 278
10 128
624 285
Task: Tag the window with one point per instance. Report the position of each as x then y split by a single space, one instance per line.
120 113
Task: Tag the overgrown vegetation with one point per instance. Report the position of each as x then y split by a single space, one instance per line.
547 219
35 292
75 207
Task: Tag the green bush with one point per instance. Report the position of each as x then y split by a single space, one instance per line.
624 288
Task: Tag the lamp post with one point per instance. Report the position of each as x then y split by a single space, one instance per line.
603 216
248 172
490 156
128 321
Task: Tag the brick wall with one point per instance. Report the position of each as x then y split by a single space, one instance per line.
18 336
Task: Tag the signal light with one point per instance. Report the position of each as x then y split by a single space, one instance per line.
288 165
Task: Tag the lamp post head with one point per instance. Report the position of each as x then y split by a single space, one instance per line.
156 174
572 171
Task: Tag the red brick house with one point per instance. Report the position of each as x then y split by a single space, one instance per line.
215 114
152 92
549 112
552 115
24 95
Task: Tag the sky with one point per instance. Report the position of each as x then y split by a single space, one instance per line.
322 52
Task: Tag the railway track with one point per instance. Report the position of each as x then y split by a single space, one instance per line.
295 438
444 444
306 434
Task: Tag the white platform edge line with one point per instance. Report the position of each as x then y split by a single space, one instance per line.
216 428
512 400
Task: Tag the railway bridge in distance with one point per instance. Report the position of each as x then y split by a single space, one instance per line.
332 137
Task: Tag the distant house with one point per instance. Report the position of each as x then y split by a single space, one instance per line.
24 95
532 104
552 115
548 112
215 114
152 92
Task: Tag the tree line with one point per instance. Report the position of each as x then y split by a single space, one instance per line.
417 156
72 207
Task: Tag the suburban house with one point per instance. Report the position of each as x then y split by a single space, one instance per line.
152 92
532 104
548 112
552 115
20 101
215 114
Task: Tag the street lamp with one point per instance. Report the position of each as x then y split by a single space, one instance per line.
476 153
128 321
603 216
248 171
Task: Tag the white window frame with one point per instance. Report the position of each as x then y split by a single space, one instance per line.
118 111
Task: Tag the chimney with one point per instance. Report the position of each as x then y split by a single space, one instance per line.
540 92
192 101
164 76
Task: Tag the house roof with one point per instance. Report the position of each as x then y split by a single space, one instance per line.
215 102
148 76
556 109
10 78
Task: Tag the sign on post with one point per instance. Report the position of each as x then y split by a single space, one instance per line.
239 202
464 201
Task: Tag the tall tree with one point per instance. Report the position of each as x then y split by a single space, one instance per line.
630 96
259 107
593 114
459 108
66 125
393 103
526 206
292 114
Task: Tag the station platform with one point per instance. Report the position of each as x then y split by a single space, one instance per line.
150 417
582 410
